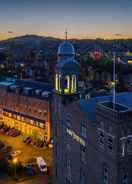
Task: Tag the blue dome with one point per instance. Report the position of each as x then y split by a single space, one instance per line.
66 49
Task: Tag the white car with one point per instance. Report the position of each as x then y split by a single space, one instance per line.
41 164
16 153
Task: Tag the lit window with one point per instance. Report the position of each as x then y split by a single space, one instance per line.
31 121
68 119
58 82
18 117
73 84
41 125
67 84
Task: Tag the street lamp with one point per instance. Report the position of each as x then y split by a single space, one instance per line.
15 161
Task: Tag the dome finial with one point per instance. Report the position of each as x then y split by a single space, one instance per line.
66 33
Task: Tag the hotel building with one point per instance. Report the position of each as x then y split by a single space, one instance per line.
26 105
92 137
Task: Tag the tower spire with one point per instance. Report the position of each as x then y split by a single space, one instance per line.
66 33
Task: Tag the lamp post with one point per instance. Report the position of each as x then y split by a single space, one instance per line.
15 161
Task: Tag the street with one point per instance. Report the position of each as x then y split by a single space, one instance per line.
39 179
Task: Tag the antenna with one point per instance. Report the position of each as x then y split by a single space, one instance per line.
114 79
66 33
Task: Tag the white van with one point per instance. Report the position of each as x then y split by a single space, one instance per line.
41 164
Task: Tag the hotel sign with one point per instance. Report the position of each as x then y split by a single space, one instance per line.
75 136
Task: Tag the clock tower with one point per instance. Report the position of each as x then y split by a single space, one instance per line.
65 93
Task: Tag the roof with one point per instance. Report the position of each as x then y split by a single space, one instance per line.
28 87
89 106
66 48
68 66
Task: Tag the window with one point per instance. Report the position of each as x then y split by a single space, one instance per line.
125 179
57 150
105 174
68 119
83 131
110 143
101 137
83 155
41 125
122 146
82 177
68 181
73 84
68 166
67 84
18 117
58 82
31 121
129 145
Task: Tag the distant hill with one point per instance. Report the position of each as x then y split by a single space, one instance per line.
23 44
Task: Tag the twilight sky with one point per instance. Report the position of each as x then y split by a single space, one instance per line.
82 18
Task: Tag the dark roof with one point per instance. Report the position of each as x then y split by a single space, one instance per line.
66 48
35 89
34 85
68 66
89 106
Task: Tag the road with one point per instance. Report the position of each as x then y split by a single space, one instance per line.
41 179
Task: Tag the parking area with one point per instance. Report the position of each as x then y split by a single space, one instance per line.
24 151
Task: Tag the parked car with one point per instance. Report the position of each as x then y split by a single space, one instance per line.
41 164
27 140
29 170
16 153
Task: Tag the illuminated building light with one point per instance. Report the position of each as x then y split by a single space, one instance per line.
59 83
130 62
67 89
56 82
113 83
27 129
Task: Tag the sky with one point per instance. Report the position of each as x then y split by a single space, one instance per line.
82 18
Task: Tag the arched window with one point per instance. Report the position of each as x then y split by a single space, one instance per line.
57 82
73 84
67 84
